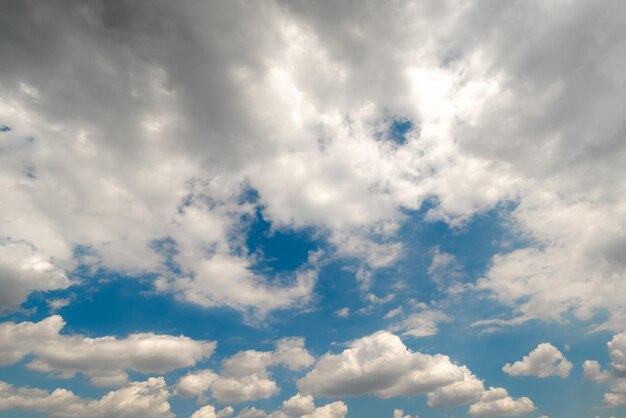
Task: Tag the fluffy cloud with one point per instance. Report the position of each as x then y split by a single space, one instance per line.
300 406
496 402
318 154
104 360
615 377
382 365
136 400
209 411
399 413
568 153
251 413
127 139
23 270
545 360
245 375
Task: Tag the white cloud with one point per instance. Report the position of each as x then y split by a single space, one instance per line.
457 393
568 155
496 402
147 399
399 413
104 360
24 270
545 360
382 365
295 101
245 375
300 406
335 409
251 413
423 323
318 154
209 411
57 304
343 312
394 312
445 270
615 377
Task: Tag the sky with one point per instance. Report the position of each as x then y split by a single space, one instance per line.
312 209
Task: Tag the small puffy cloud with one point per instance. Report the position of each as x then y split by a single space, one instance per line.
300 406
496 402
235 389
382 365
399 413
290 352
303 406
147 399
615 377
104 360
245 376
343 312
195 383
336 409
209 411
545 360
138 399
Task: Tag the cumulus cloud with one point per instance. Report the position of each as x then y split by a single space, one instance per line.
615 377
382 365
496 402
24 270
208 411
245 375
251 413
300 406
136 400
399 413
545 360
104 360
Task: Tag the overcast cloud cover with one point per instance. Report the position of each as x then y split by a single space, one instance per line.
312 209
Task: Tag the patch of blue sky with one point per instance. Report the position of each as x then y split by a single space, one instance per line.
279 250
398 130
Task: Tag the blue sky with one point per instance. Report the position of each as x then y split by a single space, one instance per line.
312 210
